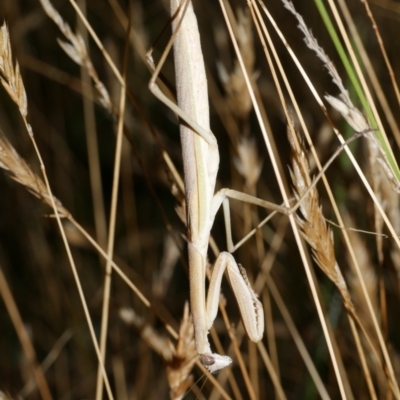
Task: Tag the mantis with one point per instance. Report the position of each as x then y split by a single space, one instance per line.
201 162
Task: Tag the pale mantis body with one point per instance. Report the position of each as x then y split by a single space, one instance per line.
201 163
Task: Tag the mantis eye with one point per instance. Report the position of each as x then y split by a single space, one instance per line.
214 362
207 359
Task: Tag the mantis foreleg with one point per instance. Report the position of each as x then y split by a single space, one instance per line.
249 305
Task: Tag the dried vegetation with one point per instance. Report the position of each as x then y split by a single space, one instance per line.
71 331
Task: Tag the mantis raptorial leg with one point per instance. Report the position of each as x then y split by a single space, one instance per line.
201 163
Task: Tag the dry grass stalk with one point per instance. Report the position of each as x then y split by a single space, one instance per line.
315 231
379 181
11 78
248 162
30 366
77 51
21 172
370 278
179 359
359 123
178 370
160 344
234 83
312 222
390 202
344 105
372 286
